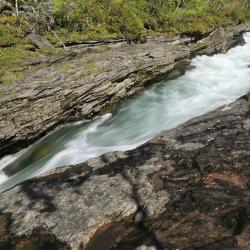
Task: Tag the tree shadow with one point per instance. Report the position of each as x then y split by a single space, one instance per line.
42 191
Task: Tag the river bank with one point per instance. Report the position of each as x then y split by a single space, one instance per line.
85 81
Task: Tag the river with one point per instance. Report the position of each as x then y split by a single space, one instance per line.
214 81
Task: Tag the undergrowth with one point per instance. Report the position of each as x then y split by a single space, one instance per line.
79 20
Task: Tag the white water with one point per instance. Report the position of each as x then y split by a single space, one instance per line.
215 81
3 177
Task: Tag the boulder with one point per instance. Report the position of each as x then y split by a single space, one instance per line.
39 41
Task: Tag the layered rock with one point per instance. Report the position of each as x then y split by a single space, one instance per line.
90 79
188 188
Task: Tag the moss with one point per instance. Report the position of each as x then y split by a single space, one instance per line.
91 67
65 36
79 20
11 77
11 63
9 35
64 68
48 51
47 78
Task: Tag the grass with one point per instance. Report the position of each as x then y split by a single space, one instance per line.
10 63
91 67
132 19
81 20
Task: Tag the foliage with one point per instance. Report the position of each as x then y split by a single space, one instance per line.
102 19
78 20
134 18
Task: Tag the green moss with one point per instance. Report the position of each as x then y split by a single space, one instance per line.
64 68
47 78
65 36
9 35
91 67
48 51
81 20
11 77
10 63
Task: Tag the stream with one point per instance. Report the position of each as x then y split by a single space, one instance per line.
215 81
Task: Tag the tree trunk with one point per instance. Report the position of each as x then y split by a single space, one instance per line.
16 6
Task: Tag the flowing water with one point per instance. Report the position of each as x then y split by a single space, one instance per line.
214 81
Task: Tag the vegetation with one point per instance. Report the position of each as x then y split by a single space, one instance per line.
77 20
134 18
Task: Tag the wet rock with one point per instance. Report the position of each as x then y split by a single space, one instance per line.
139 217
143 247
4 230
187 188
91 79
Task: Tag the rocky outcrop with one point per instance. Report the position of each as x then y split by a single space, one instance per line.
188 188
86 80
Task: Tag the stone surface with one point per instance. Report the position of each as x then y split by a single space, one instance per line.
187 188
39 41
90 79
4 5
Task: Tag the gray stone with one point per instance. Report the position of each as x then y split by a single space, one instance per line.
39 41
246 124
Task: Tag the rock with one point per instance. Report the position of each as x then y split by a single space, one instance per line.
4 5
89 80
7 12
38 15
115 201
246 124
39 41
139 217
143 247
